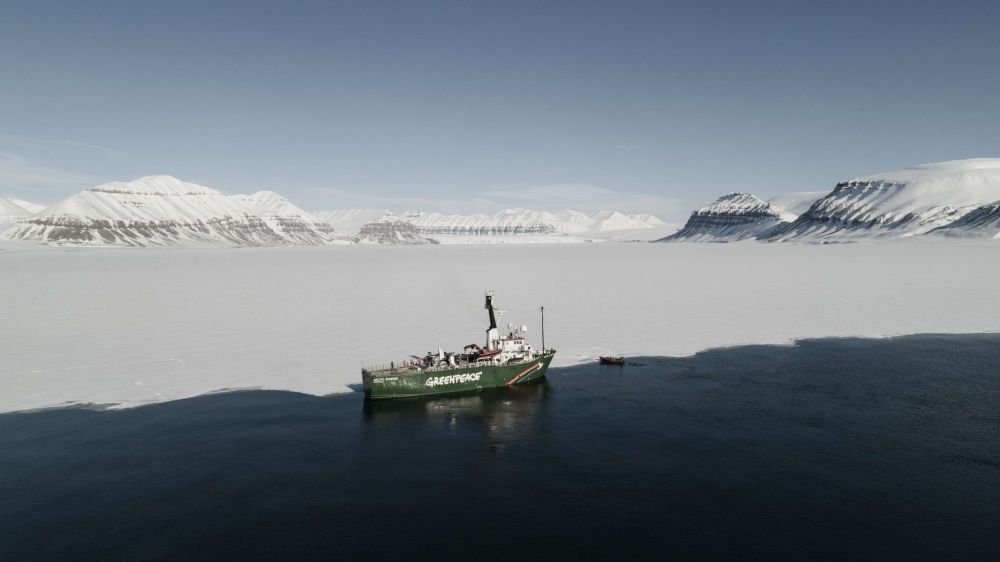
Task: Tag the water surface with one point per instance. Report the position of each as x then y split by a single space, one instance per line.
829 448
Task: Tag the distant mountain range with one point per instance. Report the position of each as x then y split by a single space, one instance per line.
958 198
507 226
944 200
166 211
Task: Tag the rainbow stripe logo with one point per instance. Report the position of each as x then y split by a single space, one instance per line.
524 374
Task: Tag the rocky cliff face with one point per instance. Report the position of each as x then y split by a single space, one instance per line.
733 217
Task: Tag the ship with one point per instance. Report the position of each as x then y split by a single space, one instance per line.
505 360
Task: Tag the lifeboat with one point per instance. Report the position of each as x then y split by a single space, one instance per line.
488 354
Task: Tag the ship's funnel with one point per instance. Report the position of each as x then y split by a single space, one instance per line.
492 334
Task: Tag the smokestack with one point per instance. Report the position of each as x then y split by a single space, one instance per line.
492 334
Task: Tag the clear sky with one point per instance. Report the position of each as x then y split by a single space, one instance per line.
656 106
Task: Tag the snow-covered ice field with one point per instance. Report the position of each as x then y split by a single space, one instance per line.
129 327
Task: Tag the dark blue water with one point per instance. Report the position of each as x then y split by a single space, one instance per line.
832 448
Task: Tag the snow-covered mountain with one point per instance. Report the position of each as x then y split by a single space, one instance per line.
508 222
165 211
510 225
31 207
348 222
797 203
282 216
981 222
729 218
901 203
390 230
527 226
14 209
604 221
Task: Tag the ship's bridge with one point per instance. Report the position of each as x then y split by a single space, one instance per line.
514 340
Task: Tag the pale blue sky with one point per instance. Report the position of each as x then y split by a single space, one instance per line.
658 106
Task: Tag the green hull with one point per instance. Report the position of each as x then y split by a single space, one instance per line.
400 383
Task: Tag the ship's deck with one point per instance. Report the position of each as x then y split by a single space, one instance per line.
413 369
392 369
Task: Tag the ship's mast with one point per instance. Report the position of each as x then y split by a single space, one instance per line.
543 330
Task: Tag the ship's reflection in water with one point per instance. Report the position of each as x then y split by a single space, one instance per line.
506 414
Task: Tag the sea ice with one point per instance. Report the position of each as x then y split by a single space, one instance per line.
134 326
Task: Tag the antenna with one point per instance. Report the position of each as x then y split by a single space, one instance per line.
543 330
